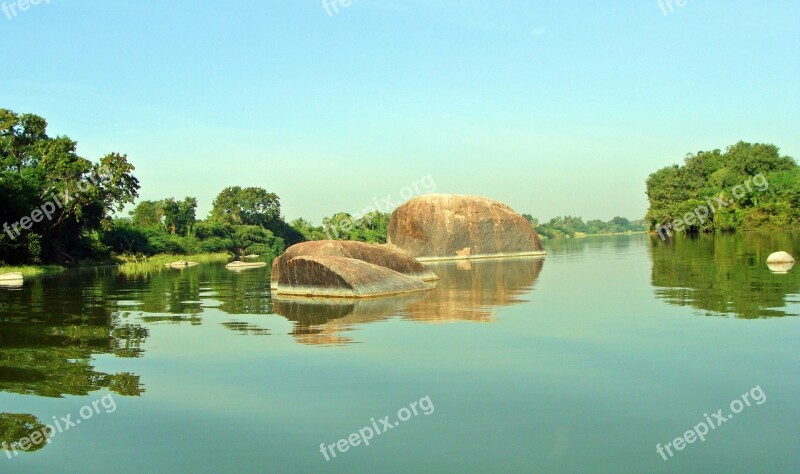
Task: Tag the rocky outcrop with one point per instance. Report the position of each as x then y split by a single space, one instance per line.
342 277
379 255
443 227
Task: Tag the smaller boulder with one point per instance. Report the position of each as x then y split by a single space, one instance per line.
780 257
380 255
342 277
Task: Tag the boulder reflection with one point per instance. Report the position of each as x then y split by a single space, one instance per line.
466 291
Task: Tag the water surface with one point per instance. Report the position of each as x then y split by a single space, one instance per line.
579 362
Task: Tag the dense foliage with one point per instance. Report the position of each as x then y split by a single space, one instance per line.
60 207
760 187
170 226
56 204
372 227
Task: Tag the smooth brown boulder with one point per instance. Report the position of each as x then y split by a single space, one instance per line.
371 253
342 277
445 227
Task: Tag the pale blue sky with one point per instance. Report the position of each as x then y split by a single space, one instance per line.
555 107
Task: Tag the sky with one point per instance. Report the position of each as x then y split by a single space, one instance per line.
554 107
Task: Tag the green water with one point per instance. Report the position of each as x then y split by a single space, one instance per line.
579 362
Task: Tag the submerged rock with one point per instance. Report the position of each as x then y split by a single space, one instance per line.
12 276
443 227
239 265
181 264
780 268
379 255
780 257
780 262
342 277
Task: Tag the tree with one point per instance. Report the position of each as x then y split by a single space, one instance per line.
148 215
179 216
77 196
251 239
246 206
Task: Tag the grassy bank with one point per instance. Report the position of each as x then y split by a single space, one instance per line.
143 265
29 271
126 264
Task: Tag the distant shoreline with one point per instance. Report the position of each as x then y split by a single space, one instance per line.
581 235
120 263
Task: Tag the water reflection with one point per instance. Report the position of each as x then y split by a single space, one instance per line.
578 248
466 291
51 329
323 320
49 332
725 274
181 296
15 426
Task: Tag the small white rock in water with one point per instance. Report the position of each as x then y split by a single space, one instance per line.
780 257
780 268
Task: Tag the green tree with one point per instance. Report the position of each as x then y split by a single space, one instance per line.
148 215
37 171
251 239
246 206
179 216
676 192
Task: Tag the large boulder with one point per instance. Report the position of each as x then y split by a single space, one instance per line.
444 226
375 254
342 277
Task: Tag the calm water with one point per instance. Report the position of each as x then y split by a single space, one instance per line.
580 362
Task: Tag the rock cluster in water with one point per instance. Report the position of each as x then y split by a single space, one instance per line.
443 226
430 227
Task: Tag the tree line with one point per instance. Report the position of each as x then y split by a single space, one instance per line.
571 226
38 170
